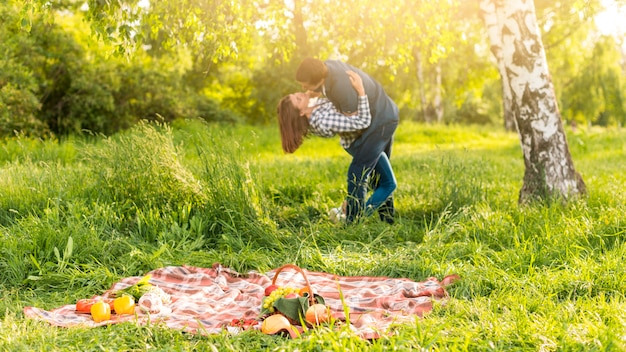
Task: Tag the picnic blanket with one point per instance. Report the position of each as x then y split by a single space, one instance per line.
206 300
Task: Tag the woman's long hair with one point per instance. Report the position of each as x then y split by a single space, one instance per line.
293 126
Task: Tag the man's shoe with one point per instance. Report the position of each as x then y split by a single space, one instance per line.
386 217
336 215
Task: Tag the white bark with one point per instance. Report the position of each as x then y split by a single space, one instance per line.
420 81
438 101
516 43
493 17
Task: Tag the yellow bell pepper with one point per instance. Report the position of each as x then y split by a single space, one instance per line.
100 311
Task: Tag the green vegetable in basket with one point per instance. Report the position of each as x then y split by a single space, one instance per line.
137 290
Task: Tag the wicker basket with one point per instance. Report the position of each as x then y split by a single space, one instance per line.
299 304
301 272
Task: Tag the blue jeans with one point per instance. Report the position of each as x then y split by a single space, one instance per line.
385 185
372 157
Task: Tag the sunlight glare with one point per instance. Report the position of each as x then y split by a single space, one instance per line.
611 20
144 4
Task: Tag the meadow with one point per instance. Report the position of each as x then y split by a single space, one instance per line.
78 214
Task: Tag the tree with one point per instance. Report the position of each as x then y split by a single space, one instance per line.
569 35
596 93
563 25
516 40
493 17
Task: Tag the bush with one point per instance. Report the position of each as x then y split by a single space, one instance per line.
61 81
18 108
19 104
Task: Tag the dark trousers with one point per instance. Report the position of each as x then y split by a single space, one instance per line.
361 170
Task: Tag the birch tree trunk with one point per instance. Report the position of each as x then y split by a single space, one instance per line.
420 80
516 43
494 21
438 101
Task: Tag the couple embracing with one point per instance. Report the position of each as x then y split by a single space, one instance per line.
343 100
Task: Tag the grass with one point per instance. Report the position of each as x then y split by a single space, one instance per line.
79 214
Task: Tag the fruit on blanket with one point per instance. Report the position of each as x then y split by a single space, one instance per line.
84 305
269 289
124 305
291 295
317 314
277 293
243 323
100 311
274 323
304 290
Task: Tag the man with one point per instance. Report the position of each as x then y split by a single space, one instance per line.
330 78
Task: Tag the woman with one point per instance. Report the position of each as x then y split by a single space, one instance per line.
297 117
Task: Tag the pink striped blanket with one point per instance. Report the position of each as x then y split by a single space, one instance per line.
207 300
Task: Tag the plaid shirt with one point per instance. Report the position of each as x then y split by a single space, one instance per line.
326 121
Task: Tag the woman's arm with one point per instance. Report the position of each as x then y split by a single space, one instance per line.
326 120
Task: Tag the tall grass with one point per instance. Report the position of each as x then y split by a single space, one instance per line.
79 214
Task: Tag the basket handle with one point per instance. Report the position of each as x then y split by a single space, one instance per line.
298 269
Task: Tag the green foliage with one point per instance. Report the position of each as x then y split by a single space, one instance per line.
19 107
57 79
214 30
18 87
232 61
596 93
584 65
283 83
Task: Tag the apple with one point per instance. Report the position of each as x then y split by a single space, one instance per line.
269 289
317 314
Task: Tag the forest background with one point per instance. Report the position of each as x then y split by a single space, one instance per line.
69 69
